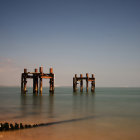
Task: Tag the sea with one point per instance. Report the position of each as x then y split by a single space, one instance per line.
106 114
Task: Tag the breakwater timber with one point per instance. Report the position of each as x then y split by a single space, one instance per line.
9 126
18 126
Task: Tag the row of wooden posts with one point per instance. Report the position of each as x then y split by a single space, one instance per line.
80 79
39 76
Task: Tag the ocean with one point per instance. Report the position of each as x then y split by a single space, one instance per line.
107 114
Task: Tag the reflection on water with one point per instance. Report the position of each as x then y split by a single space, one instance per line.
37 106
44 107
114 110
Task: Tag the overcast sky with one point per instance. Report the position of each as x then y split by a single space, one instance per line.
72 36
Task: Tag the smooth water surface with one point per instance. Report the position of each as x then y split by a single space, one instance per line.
107 114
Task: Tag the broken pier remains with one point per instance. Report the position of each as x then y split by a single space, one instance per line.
80 79
37 77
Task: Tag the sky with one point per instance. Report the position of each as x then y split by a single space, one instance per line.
72 36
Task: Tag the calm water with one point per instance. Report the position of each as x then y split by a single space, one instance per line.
108 114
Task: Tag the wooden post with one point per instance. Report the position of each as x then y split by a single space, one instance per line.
25 80
51 81
35 81
50 85
81 83
22 82
51 70
41 70
87 82
25 70
93 84
75 83
40 84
